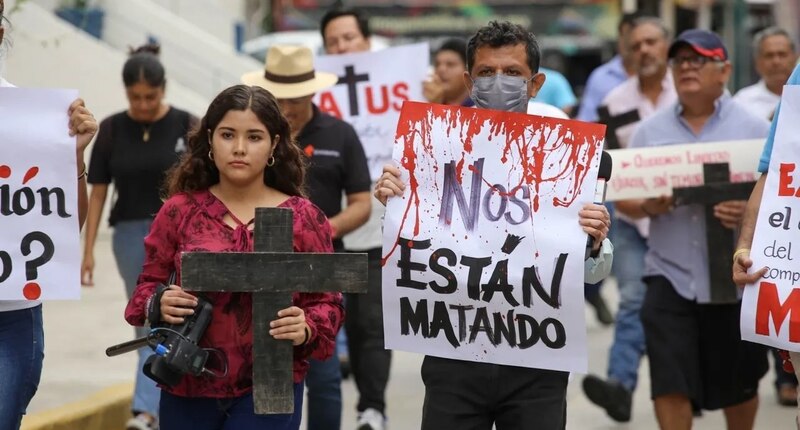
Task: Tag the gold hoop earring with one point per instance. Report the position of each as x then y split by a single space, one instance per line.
271 161
211 155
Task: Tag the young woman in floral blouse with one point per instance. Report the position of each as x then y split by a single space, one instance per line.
240 158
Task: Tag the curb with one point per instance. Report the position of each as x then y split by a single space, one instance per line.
106 409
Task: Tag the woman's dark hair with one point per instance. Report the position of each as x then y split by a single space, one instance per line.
504 33
143 65
197 171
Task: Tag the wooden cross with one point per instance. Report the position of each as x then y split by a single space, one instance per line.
717 188
615 122
272 272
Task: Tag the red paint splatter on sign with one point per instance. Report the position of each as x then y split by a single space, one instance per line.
30 174
535 145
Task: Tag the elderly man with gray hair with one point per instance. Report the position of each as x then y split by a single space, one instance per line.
775 55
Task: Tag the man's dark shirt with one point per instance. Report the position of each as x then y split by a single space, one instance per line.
337 163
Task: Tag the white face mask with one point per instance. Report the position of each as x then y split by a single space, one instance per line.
501 92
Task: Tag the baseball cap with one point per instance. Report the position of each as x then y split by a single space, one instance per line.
704 42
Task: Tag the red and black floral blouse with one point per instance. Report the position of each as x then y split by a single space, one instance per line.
194 222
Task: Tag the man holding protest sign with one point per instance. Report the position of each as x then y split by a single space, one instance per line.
742 262
21 327
502 74
697 361
650 90
337 167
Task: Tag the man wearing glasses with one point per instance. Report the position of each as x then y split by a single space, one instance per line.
697 358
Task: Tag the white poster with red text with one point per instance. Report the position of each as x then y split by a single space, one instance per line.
39 238
483 255
654 171
370 93
771 307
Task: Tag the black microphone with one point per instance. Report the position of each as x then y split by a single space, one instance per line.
603 175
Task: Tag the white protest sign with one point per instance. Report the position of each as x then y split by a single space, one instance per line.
39 241
370 93
483 253
771 308
655 171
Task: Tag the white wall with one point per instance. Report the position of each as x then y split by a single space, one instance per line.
47 52
216 17
192 56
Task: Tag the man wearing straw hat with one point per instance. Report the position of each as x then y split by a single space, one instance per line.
337 165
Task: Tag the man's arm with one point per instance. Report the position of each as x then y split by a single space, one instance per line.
742 262
353 216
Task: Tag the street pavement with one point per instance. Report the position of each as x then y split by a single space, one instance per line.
77 334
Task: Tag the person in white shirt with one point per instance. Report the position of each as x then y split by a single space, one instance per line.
21 329
651 89
775 56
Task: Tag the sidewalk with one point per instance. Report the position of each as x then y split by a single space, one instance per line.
77 334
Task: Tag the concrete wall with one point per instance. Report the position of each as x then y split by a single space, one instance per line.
47 52
216 17
192 56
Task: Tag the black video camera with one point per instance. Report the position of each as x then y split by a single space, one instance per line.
175 345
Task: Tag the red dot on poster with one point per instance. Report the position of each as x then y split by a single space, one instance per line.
5 171
32 291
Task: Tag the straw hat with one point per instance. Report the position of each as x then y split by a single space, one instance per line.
289 73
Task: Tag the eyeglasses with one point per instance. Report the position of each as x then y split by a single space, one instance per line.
694 61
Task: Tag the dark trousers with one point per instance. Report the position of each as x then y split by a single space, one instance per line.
204 413
324 404
21 355
369 359
466 395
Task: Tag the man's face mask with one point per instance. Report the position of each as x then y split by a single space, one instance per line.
500 92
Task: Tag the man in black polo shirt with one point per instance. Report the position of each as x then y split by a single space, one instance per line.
346 31
337 166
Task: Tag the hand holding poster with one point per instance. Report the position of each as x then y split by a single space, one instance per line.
771 308
39 241
483 253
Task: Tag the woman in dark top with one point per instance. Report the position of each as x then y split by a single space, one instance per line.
133 150
241 157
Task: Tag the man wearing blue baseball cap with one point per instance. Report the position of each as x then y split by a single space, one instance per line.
697 358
